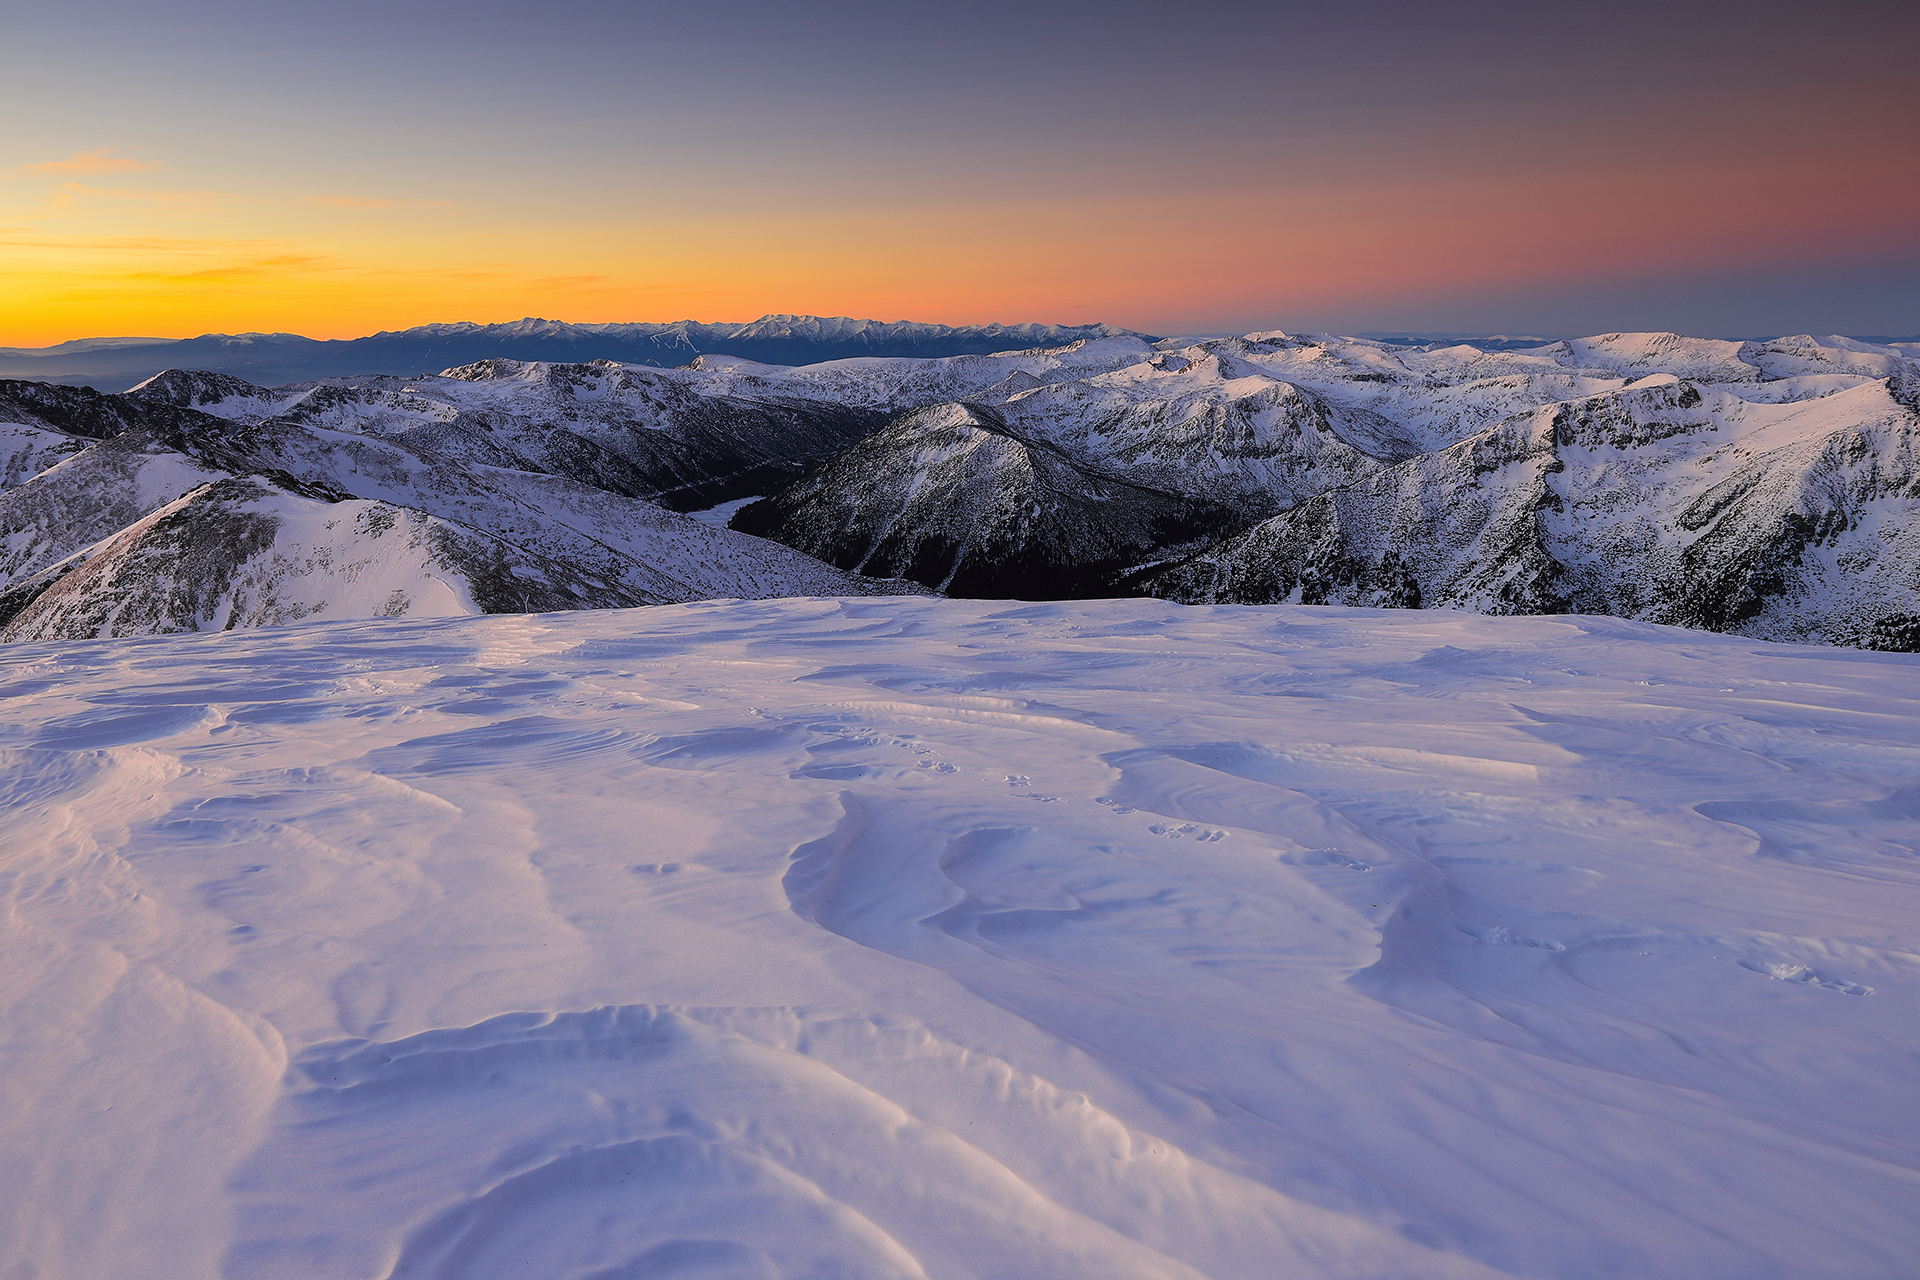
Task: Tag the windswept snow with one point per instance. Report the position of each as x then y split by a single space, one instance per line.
936 938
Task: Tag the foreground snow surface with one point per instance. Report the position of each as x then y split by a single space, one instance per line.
915 937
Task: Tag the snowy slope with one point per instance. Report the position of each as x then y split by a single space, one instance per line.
195 523
931 938
627 429
1798 520
240 553
1443 394
26 450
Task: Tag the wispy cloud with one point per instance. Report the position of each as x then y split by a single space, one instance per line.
67 195
93 162
122 244
276 265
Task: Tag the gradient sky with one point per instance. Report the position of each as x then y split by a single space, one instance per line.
1716 168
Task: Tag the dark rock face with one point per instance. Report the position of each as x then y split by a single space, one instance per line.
1894 633
165 573
75 411
951 498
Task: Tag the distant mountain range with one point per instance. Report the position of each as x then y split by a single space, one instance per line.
270 359
113 364
1767 488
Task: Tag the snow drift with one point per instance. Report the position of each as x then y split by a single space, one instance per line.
918 937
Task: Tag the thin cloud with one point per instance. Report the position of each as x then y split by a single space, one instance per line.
93 162
280 264
67 195
123 244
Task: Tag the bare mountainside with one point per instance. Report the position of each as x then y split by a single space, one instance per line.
1766 488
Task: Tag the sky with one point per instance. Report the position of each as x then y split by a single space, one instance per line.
211 166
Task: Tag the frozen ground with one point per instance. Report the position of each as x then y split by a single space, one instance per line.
915 937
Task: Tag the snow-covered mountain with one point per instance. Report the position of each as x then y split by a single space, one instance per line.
1770 488
112 364
1785 506
627 429
186 521
955 497
1053 483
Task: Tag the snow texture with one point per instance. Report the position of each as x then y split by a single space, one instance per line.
943 938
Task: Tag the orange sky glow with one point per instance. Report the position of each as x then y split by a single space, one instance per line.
305 213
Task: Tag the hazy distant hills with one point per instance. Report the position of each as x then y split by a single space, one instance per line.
114 364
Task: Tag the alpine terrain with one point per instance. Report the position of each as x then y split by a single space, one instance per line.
1771 489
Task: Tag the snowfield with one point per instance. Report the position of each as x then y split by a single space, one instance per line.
911 937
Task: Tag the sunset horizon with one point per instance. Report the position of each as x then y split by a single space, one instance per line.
1714 169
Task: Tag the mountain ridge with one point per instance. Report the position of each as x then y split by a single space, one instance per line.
112 364
1768 488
